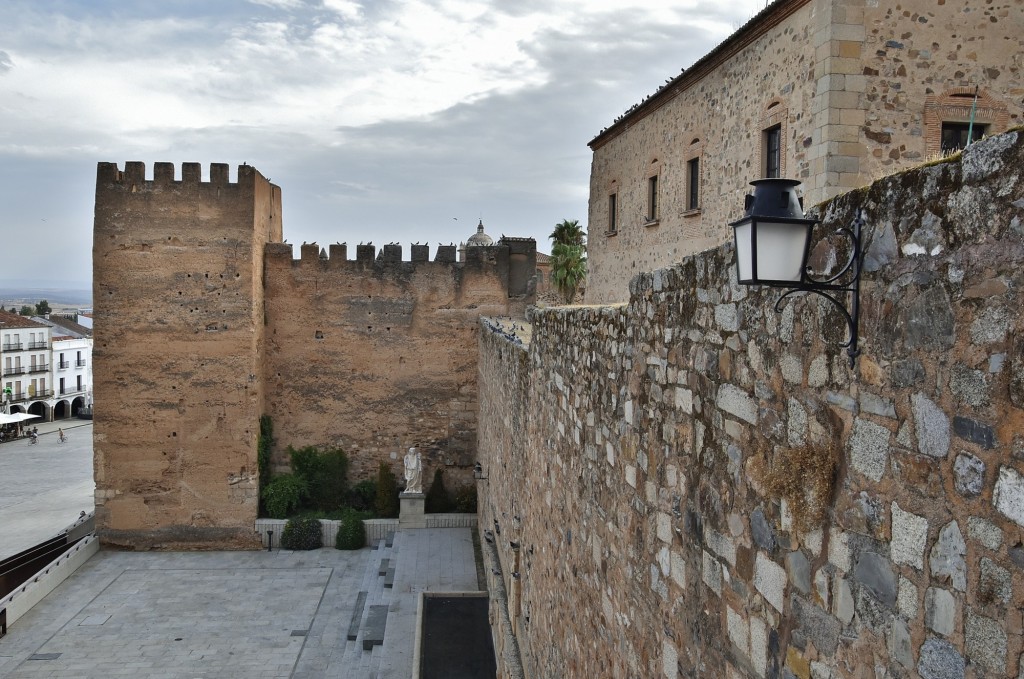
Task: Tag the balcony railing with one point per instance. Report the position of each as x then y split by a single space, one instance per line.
43 393
63 365
18 396
17 346
42 368
39 345
80 363
71 390
14 371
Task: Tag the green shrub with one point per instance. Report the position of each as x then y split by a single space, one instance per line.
363 495
283 495
386 503
325 473
303 533
438 501
351 532
465 500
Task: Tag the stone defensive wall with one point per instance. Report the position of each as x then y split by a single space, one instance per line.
694 484
206 323
178 289
378 354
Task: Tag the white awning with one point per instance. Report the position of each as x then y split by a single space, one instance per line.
15 417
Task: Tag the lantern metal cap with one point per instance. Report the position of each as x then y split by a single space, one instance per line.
773 198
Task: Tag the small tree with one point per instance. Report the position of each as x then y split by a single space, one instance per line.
42 308
26 310
386 503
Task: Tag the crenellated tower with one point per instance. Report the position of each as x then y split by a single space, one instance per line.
178 292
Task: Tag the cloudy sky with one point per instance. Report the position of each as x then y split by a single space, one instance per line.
382 120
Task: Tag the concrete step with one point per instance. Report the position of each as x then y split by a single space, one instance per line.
389 578
357 615
373 630
384 565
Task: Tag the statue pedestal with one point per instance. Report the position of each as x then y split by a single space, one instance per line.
411 512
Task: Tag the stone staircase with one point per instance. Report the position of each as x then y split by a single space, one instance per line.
364 641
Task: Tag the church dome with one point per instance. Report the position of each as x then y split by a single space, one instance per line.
479 238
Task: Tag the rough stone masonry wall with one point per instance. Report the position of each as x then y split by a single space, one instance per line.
178 301
702 487
378 355
717 120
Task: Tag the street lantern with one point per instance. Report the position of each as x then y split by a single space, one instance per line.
773 241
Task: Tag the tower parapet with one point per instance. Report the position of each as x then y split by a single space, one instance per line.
178 284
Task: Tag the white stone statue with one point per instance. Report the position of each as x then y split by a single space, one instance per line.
413 472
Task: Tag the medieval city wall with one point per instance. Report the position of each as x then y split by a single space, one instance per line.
377 354
695 484
178 286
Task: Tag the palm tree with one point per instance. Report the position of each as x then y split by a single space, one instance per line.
568 257
568 268
568 232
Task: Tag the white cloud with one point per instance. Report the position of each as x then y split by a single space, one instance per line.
388 115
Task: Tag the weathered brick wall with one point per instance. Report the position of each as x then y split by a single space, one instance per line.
178 297
665 486
376 356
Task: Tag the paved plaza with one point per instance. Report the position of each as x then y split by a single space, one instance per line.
208 614
44 487
237 614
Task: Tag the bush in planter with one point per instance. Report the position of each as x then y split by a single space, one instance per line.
438 501
363 495
465 500
386 503
326 475
283 495
303 532
351 532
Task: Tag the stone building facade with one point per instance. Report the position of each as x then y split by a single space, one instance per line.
205 323
835 93
695 484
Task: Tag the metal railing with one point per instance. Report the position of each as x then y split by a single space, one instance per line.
14 371
63 365
14 347
42 368
80 363
39 345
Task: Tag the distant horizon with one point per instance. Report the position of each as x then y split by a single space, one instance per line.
43 284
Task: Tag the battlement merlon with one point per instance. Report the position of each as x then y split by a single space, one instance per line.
391 254
134 175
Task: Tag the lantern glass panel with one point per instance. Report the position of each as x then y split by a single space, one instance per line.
744 251
781 250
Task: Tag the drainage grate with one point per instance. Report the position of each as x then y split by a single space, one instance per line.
299 632
44 656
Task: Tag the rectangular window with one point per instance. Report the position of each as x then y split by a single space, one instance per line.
693 184
954 135
613 213
652 199
773 151
79 383
62 389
